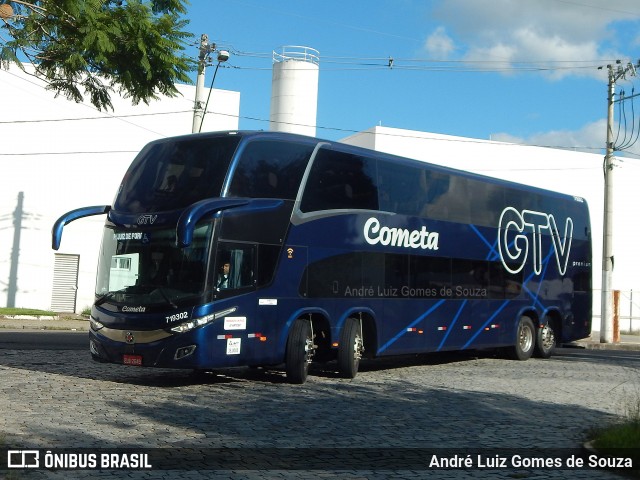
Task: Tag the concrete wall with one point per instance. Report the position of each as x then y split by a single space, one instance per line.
63 155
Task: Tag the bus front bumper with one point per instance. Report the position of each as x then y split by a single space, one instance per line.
152 348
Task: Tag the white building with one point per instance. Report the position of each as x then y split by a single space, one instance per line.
58 155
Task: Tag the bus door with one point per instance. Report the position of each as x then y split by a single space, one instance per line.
234 285
278 304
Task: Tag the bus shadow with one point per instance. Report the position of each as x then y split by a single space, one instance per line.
330 369
70 364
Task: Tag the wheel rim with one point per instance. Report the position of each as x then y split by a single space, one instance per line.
308 350
548 337
358 348
525 338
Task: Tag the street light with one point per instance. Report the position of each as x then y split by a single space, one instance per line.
200 107
223 56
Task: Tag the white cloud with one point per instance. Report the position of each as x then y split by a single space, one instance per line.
590 138
543 31
439 45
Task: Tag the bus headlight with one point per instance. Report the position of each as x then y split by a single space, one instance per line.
95 324
201 321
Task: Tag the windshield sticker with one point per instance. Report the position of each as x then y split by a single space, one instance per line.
128 236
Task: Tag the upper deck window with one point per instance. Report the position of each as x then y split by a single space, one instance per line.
173 174
270 169
340 180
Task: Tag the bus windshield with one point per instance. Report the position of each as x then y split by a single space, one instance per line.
146 268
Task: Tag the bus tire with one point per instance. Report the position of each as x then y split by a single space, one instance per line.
299 351
525 340
546 340
350 349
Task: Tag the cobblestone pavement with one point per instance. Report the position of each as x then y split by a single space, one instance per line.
61 399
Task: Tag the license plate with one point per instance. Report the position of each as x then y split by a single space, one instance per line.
133 360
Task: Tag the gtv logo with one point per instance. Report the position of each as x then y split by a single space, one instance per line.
518 231
146 219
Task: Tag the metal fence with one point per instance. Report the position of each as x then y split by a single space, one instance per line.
628 310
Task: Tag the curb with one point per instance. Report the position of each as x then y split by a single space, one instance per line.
41 322
624 346
627 343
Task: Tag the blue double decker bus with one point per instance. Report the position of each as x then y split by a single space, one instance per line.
260 248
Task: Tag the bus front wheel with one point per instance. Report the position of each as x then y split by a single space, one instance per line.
351 348
525 340
300 351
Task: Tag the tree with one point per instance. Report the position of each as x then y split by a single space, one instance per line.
95 47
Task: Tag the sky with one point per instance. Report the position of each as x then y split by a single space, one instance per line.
509 70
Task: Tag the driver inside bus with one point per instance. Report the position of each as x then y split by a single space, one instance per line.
223 278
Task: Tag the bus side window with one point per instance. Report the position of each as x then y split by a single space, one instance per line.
340 180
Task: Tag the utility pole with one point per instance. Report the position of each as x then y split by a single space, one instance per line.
204 57
606 321
198 107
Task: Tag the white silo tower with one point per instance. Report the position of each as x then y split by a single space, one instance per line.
294 90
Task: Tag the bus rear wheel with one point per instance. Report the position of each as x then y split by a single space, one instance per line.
351 348
525 340
300 351
546 340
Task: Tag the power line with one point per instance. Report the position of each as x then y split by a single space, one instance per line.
350 63
399 135
45 120
81 104
95 152
326 128
342 130
599 7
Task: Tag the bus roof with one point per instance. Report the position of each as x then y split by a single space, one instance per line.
248 135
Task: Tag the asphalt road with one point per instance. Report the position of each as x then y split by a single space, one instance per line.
72 340
53 396
43 340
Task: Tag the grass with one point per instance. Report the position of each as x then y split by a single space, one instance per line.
27 311
622 435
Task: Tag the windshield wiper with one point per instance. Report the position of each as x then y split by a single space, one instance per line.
108 296
166 297
160 290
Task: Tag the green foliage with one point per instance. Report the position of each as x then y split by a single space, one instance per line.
623 436
27 311
96 47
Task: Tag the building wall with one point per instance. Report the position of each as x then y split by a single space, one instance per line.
573 173
63 155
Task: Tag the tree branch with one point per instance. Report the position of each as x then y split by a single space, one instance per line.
31 6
